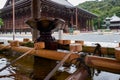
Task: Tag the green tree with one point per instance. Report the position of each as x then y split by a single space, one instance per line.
103 9
1 22
115 10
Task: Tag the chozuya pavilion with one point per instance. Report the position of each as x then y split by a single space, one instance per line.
48 8
47 50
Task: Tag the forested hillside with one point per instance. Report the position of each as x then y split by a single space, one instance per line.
103 8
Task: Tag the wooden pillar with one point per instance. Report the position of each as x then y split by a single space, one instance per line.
35 13
6 26
84 22
42 66
21 23
72 20
81 21
89 25
76 13
13 6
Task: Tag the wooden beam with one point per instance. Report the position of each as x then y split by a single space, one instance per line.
104 50
49 54
101 63
87 49
104 64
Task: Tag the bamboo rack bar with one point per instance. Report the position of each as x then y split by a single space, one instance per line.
104 64
2 46
89 49
49 54
104 50
20 42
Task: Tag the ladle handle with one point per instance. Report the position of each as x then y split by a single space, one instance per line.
57 66
16 59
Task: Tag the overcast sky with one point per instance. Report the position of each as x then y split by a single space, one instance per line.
74 2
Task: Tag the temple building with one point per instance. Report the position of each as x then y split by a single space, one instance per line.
62 9
114 22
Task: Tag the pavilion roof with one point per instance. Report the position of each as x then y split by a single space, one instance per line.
114 18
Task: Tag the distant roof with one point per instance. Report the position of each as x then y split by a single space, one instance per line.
63 2
114 18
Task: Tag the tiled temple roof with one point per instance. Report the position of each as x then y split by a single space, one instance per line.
114 18
63 2
60 2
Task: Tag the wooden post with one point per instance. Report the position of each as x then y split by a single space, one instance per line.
72 20
35 14
76 18
39 45
117 53
14 44
13 2
26 40
80 42
91 24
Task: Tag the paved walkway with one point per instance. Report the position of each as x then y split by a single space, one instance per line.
17 34
106 40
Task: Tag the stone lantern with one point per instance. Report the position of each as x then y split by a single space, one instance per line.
107 22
